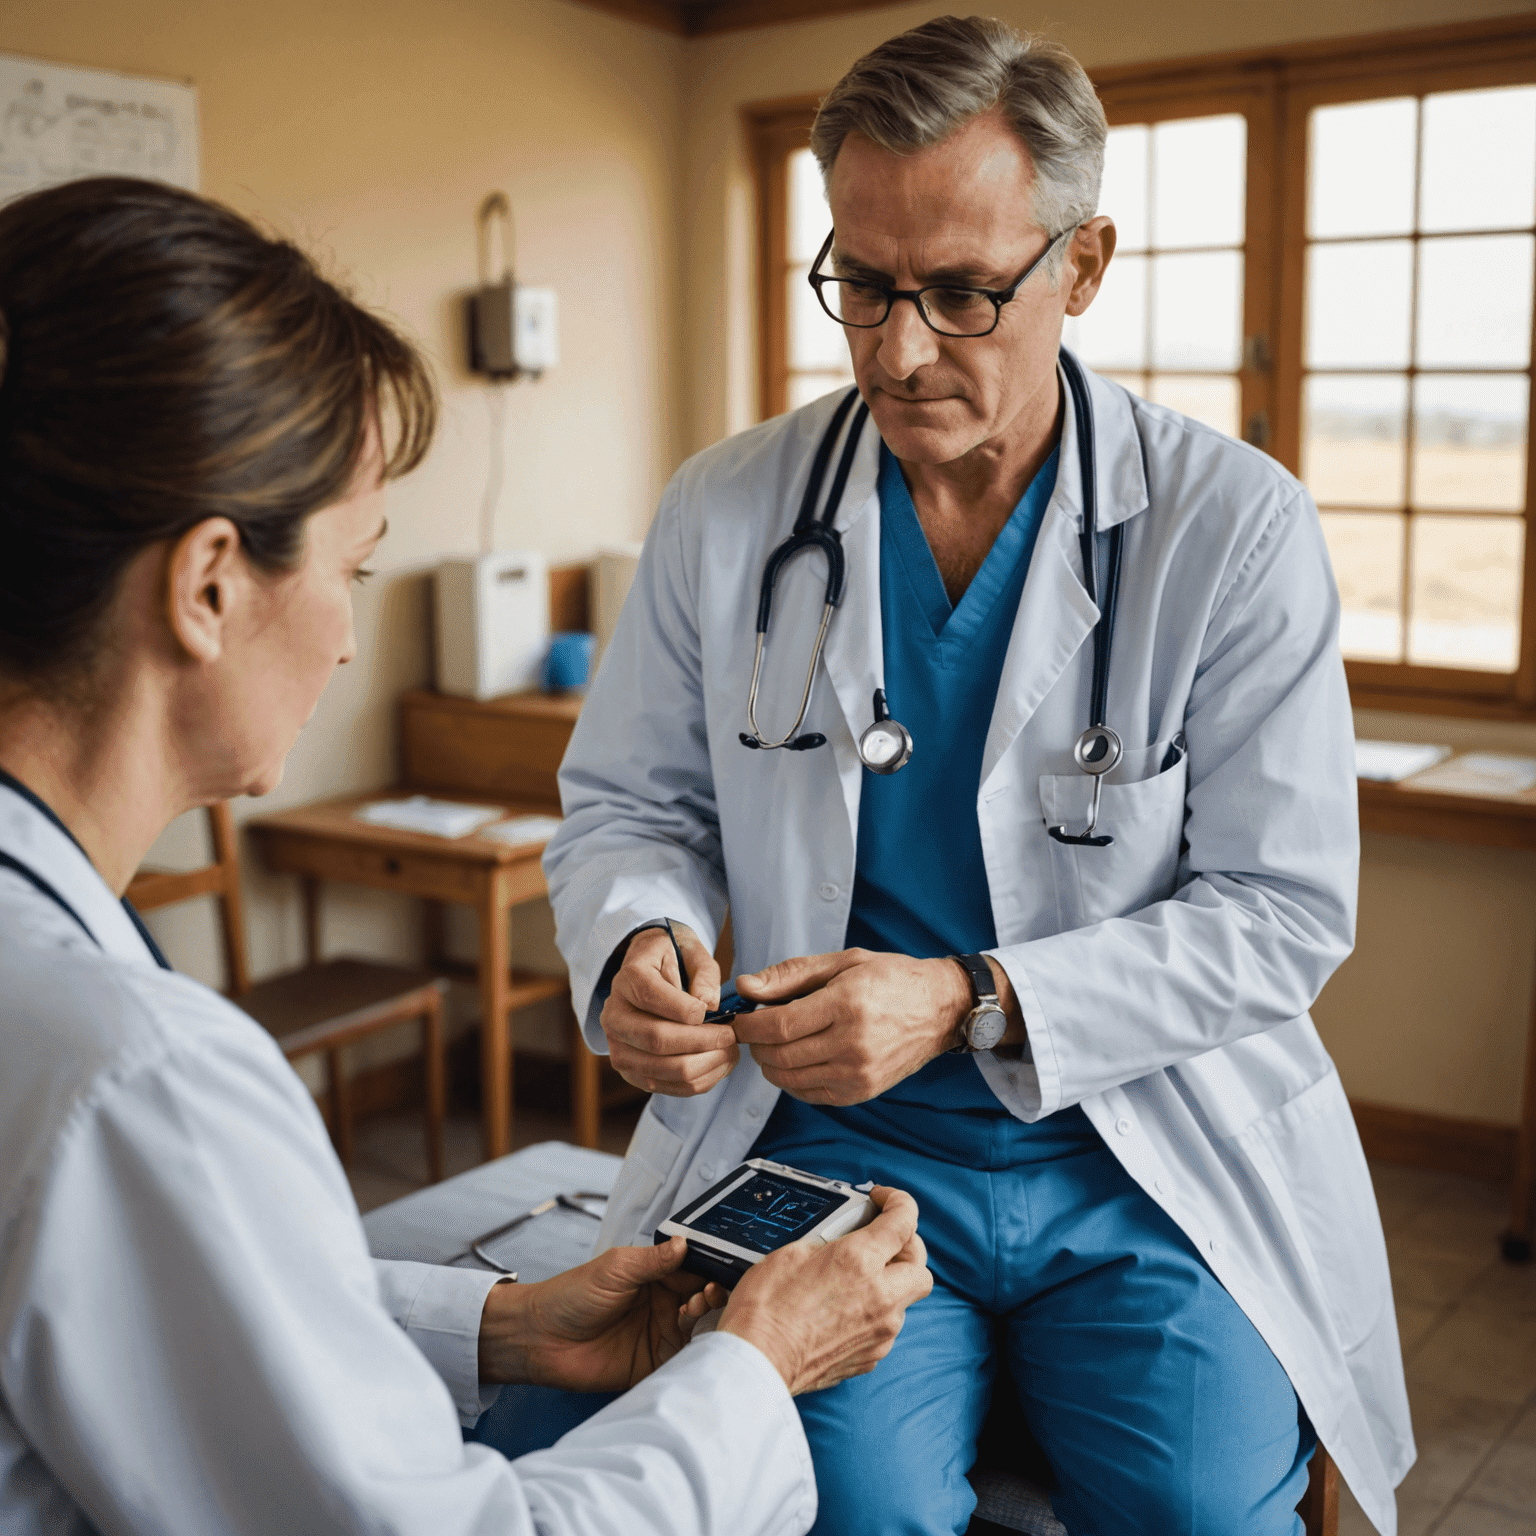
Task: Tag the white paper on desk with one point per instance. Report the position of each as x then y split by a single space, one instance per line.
1479 773
517 830
437 818
1390 762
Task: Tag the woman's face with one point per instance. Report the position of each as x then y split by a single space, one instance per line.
284 635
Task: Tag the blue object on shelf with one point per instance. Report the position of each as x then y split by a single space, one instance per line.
568 663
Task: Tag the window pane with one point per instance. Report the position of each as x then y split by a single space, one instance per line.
806 387
1357 304
1197 310
1199 172
1353 452
1469 441
1479 159
1135 382
1123 194
1112 332
1466 592
1360 169
1367 553
1475 302
1214 399
815 340
809 218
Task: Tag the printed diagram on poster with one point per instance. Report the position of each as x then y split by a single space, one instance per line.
58 123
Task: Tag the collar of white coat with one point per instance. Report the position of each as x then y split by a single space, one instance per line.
1120 474
32 839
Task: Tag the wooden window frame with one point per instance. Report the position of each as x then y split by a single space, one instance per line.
1275 89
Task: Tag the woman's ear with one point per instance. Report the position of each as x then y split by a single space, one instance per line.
1088 258
204 574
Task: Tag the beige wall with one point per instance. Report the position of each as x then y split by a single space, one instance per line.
371 130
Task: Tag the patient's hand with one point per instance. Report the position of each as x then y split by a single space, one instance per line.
598 1328
657 1037
826 1313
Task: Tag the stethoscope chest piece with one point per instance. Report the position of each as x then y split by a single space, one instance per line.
1098 750
886 745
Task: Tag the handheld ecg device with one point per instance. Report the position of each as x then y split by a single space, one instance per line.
757 1208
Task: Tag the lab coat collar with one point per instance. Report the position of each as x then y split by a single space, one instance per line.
30 836
1121 474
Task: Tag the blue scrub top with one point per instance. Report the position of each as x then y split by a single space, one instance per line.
920 881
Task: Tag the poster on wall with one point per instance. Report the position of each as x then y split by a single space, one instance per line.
58 123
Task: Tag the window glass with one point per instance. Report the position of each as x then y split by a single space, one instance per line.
1479 159
1367 553
1469 441
815 340
1199 172
1465 599
1475 302
1214 399
1342 201
1358 304
809 217
1352 444
1197 310
1123 192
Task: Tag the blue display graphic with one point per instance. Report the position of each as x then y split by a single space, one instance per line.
765 1213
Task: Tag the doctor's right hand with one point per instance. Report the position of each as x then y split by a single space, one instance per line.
657 1037
823 1314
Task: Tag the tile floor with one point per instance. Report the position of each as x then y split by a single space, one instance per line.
1467 1319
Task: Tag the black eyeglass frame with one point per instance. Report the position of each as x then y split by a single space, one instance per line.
997 296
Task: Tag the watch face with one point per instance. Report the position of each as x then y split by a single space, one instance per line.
985 1027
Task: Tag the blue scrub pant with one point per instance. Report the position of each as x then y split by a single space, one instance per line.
1157 1404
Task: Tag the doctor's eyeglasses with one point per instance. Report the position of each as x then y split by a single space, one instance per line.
950 310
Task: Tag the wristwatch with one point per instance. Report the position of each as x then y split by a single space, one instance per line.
986 1024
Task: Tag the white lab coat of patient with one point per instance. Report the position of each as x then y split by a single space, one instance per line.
193 1338
1165 980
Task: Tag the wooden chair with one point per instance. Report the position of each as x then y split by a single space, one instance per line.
323 1006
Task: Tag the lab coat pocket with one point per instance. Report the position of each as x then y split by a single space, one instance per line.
653 1153
1146 821
1308 1154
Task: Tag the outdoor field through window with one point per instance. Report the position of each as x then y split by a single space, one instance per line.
1416 368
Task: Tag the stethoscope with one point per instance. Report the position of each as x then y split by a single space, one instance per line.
886 744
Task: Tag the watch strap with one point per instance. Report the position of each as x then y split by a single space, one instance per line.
983 987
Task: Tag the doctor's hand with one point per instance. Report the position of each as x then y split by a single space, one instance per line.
826 1313
869 1020
657 1037
598 1328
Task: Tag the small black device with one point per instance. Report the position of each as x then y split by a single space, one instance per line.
755 1210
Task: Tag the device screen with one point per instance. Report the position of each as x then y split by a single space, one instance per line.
765 1213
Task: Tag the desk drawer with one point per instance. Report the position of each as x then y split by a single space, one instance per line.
438 877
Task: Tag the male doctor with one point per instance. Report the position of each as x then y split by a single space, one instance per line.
1142 1190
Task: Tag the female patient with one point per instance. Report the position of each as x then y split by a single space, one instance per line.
195 433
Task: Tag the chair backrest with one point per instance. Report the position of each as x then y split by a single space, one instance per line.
151 888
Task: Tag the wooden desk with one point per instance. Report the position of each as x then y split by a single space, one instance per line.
1505 822
327 842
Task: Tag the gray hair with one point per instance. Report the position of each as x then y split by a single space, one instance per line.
918 88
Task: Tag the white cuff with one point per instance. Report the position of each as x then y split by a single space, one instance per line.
439 1308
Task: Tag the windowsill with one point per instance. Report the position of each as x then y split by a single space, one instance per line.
1464 706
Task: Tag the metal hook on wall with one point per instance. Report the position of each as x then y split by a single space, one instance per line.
495 207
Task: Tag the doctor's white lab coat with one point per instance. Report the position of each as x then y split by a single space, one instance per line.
193 1338
1165 980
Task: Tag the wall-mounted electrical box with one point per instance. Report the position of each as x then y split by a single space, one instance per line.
513 330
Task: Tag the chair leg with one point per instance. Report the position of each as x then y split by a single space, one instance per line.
433 1069
1319 1507
586 1089
341 1106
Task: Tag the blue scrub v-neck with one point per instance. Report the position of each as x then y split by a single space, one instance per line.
920 881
